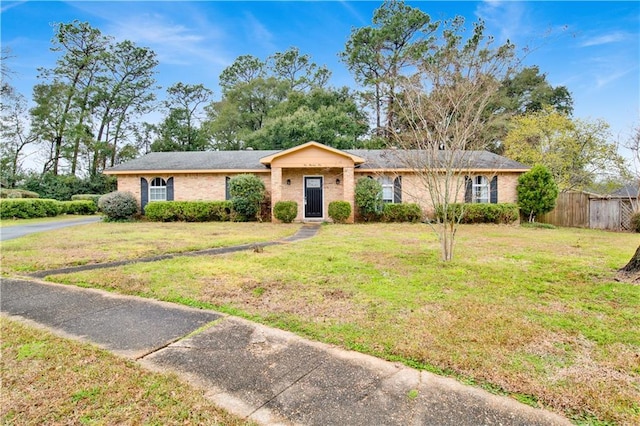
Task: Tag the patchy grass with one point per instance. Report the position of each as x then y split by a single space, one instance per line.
532 313
105 242
50 380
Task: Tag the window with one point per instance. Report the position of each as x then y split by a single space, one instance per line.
227 194
387 188
158 190
480 189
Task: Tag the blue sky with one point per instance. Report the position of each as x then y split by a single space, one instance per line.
591 47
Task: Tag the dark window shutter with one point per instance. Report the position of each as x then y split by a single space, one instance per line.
144 194
468 189
170 189
397 190
493 190
227 195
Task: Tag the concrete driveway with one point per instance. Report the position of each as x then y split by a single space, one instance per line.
11 232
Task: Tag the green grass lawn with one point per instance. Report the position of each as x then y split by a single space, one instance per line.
533 313
50 380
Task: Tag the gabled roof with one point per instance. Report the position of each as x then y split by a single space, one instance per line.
258 161
267 160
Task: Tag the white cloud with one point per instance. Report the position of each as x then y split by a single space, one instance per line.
506 20
257 33
599 40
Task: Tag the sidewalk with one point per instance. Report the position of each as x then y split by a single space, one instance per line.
261 373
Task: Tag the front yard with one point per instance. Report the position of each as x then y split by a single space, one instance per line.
533 313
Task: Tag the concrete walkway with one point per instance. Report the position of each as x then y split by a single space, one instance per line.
257 372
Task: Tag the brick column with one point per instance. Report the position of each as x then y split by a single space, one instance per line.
348 188
276 189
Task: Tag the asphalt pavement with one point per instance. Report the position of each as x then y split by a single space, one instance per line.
15 231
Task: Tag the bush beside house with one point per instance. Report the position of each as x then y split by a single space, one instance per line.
339 211
285 211
118 206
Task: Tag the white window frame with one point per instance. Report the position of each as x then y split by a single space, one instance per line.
388 189
480 189
158 189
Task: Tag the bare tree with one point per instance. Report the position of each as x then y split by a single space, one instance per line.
443 117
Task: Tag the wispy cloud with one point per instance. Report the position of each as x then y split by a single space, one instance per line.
614 37
257 33
174 43
506 19
9 5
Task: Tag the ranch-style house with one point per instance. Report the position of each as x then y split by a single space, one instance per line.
312 174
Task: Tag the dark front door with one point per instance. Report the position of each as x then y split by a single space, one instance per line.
313 197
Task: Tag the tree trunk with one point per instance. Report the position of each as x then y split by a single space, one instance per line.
631 271
634 263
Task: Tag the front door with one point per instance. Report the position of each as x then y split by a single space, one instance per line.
313 197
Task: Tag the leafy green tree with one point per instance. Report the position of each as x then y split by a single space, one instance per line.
380 54
575 151
526 92
15 134
330 117
122 93
537 192
82 48
253 93
181 130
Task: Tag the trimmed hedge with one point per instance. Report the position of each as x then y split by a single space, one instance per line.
85 207
27 208
91 197
339 211
504 213
285 211
17 193
189 211
401 212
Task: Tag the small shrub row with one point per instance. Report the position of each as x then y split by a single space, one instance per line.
80 207
189 211
90 197
339 211
504 213
28 208
17 193
285 211
401 212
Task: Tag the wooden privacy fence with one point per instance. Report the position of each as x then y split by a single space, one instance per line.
583 210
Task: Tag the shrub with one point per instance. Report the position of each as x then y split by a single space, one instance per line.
17 193
118 205
401 212
62 187
285 211
27 208
188 211
79 207
368 198
537 192
635 222
339 211
90 197
247 192
501 213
